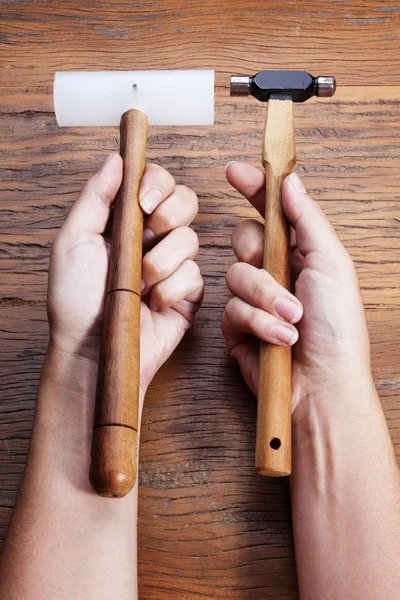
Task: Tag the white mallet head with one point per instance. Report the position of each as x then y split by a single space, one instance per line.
99 98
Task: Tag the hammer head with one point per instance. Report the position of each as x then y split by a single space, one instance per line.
296 85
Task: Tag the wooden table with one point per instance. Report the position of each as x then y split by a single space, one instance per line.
209 527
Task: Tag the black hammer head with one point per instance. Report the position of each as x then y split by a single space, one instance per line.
298 85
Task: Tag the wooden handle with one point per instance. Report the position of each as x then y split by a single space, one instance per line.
113 469
273 443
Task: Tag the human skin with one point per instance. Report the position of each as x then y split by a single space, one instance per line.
345 482
64 541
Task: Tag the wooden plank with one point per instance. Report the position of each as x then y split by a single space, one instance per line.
208 526
352 40
347 148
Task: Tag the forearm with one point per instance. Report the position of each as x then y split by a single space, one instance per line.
345 492
64 541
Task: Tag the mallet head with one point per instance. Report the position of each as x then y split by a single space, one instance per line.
98 98
298 85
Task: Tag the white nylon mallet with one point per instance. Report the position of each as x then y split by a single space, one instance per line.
131 100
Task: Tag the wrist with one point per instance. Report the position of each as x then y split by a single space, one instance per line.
73 373
332 400
334 430
85 347
331 415
65 400
63 427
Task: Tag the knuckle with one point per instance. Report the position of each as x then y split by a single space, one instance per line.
188 194
191 237
230 309
157 171
241 229
169 218
258 291
160 295
193 269
247 240
151 266
250 253
233 271
254 321
157 176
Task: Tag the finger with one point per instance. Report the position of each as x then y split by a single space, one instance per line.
239 316
293 239
249 181
186 283
247 355
162 260
248 246
157 184
245 349
297 266
259 288
248 242
91 211
314 233
179 209
246 352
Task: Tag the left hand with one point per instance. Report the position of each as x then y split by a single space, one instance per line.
79 262
324 315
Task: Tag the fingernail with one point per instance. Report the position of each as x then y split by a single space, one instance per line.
109 157
153 306
229 163
285 335
148 236
151 200
288 310
297 183
142 285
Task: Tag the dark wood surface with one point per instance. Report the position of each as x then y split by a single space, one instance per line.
209 527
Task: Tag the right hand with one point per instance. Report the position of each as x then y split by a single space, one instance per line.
332 340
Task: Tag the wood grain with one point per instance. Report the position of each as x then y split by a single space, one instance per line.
209 527
113 470
273 433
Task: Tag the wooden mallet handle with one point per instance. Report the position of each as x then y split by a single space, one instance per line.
113 468
273 443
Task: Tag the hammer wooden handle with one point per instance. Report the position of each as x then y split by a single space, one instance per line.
273 443
113 469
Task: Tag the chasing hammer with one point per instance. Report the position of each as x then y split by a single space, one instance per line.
99 99
280 89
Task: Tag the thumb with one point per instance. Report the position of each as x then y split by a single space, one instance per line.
91 211
314 233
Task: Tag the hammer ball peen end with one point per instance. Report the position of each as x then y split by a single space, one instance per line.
299 85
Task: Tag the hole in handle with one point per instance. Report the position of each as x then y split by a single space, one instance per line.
275 443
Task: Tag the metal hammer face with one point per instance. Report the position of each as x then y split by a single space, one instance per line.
296 85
